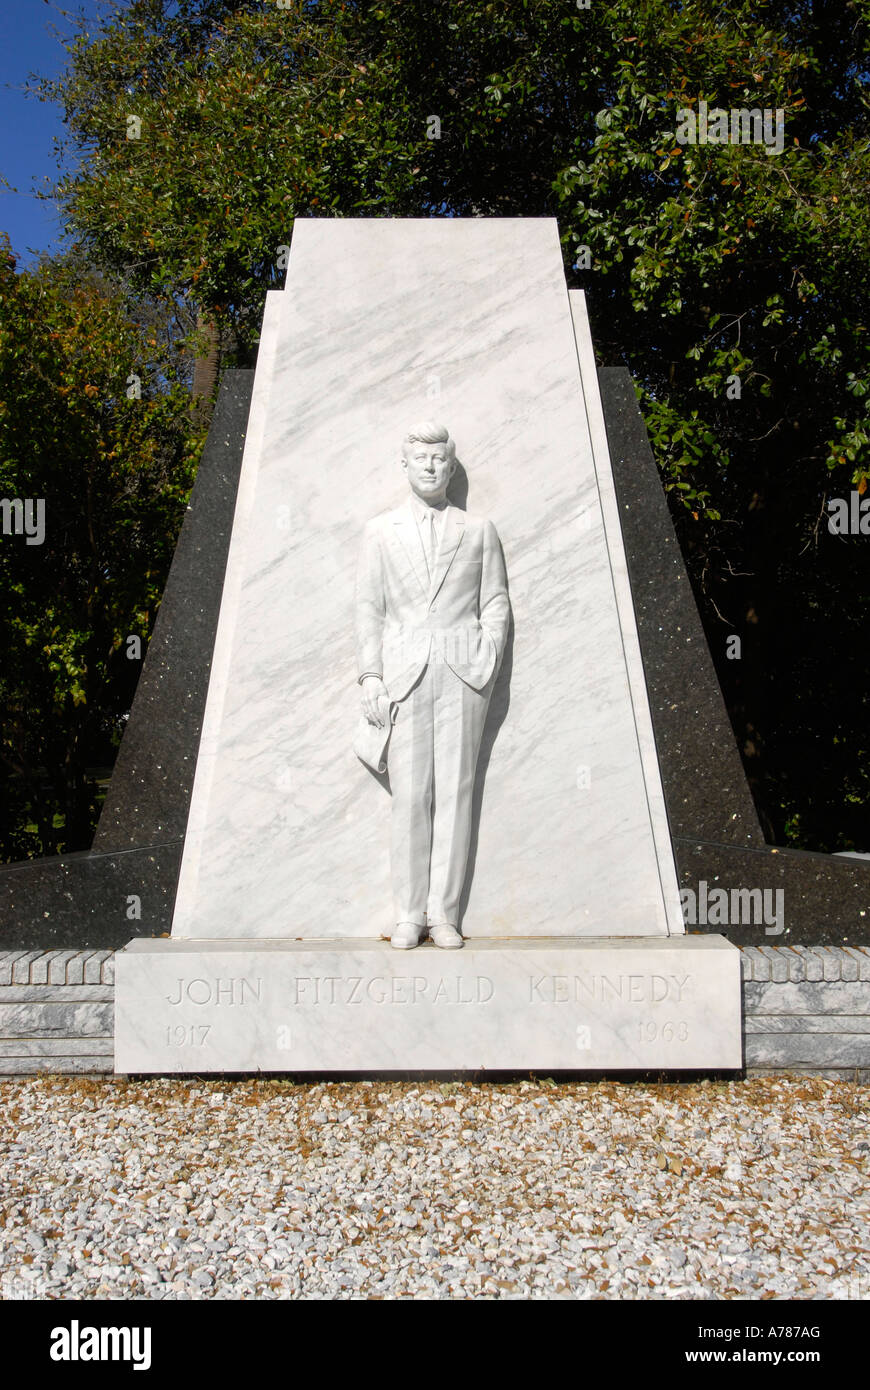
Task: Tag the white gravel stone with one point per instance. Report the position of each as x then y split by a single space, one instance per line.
264 1189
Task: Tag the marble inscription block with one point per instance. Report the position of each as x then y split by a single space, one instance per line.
383 323
641 1005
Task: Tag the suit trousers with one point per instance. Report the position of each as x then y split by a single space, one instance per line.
433 754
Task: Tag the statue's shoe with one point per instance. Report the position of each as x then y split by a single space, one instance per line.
445 936
406 936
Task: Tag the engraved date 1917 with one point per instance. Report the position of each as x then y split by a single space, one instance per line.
187 1034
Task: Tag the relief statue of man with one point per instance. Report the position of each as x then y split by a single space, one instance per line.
432 622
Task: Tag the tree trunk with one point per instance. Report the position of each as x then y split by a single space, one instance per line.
205 371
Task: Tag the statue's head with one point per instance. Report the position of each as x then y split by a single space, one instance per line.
429 460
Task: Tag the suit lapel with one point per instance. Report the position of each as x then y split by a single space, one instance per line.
406 529
451 537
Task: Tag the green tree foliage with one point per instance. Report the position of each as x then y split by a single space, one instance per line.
705 258
113 472
711 268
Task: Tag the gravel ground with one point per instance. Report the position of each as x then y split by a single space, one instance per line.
265 1189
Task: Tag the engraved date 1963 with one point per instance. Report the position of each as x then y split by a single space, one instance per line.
676 1031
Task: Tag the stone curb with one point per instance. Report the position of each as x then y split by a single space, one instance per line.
57 968
805 963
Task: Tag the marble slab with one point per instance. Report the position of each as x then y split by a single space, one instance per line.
609 508
384 322
592 1005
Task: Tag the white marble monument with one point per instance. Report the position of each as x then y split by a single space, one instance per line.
383 323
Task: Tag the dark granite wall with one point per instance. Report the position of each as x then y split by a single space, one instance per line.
715 831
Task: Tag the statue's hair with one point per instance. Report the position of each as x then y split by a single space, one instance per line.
428 432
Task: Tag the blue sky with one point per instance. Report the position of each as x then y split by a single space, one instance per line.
29 44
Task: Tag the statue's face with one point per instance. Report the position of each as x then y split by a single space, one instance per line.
428 469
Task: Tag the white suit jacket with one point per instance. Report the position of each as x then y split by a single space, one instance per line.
404 619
